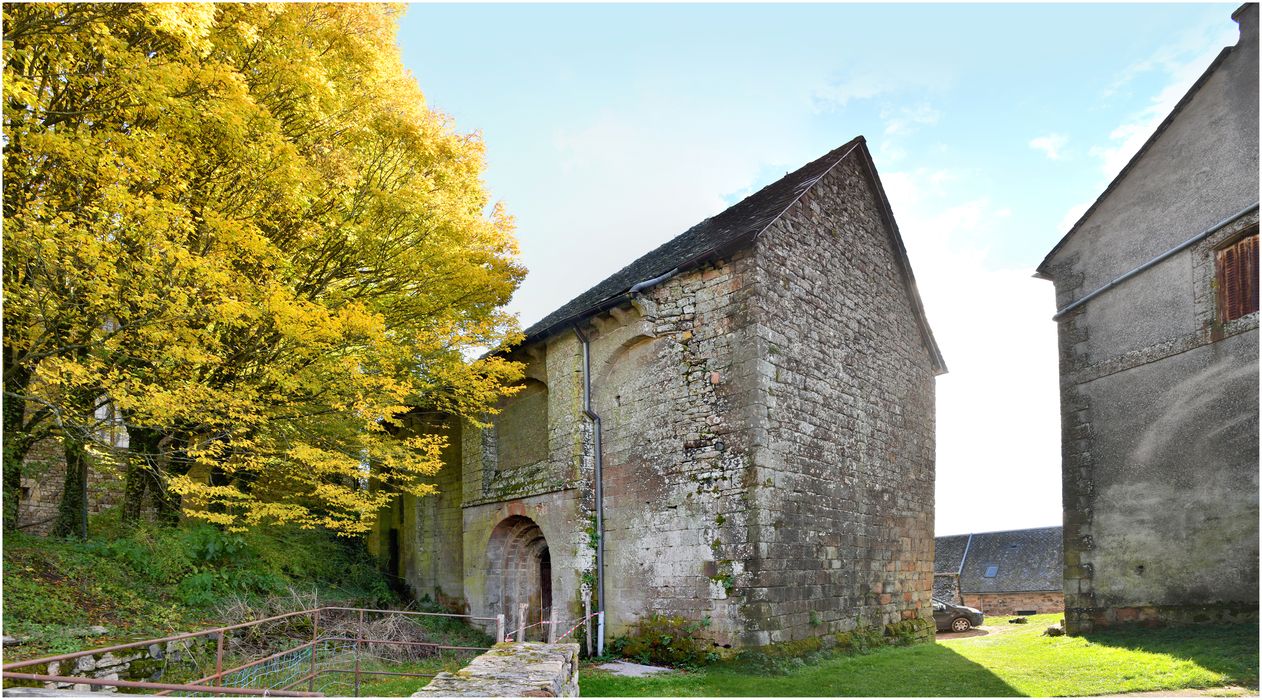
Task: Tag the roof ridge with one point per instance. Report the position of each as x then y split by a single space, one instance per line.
999 532
734 229
615 286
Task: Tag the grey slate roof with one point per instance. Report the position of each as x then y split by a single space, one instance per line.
724 233
1025 560
948 553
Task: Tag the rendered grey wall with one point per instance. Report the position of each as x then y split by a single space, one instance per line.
1158 399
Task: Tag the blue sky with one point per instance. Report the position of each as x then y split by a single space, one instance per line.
612 128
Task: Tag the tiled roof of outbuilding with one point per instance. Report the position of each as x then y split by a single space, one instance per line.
1024 560
948 552
724 233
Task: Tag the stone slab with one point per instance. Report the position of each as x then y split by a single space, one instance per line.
522 669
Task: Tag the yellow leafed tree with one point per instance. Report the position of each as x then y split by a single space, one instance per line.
238 229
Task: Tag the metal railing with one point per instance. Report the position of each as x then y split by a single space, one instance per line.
276 674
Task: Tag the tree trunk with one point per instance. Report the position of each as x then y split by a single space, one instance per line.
219 477
72 512
16 442
142 468
166 505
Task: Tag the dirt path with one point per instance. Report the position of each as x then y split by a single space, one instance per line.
1226 691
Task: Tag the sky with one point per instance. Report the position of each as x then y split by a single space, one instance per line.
611 129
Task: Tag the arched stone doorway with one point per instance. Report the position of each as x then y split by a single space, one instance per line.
519 570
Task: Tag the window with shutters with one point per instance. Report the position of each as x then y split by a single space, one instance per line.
1237 278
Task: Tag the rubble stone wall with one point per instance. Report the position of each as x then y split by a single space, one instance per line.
845 464
1009 603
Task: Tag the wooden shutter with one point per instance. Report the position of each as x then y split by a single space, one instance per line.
1238 278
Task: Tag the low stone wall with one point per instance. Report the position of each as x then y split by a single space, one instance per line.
1011 603
946 587
512 669
138 664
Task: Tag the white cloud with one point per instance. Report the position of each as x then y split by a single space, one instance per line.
1182 62
1072 215
854 87
864 82
909 119
998 407
1050 145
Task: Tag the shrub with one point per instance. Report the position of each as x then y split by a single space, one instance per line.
668 641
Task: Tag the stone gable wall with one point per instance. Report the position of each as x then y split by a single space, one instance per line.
845 476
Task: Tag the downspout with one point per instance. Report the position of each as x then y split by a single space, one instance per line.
964 557
600 495
599 459
960 571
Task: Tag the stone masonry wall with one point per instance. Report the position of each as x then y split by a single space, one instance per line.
671 382
43 480
844 536
671 389
946 587
1010 603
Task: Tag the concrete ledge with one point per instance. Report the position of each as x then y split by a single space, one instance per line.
521 669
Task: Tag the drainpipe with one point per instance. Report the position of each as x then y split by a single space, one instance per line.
1169 253
600 486
600 491
964 557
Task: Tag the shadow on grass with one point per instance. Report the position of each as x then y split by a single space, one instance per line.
1231 650
975 632
924 670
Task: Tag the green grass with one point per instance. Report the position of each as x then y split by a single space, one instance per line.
1010 660
402 686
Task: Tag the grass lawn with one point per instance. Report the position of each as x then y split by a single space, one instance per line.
1009 660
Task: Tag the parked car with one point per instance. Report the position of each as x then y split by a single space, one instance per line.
955 618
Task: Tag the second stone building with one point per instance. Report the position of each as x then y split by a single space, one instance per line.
738 428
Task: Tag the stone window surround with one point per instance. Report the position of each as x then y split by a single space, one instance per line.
1204 279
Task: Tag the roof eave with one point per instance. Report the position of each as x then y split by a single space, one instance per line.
909 278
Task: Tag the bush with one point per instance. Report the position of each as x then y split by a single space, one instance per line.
668 641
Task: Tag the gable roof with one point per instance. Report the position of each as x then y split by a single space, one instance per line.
726 232
1044 269
1024 560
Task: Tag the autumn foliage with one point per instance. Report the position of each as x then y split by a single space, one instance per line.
238 230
